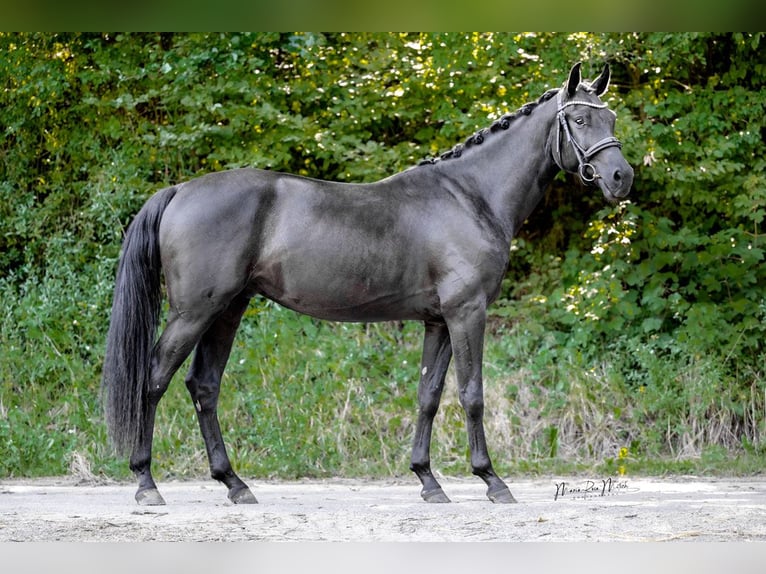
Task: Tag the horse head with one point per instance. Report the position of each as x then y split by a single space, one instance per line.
583 141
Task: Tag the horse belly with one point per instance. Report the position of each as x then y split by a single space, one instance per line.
337 291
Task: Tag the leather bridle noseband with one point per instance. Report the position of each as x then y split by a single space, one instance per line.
586 170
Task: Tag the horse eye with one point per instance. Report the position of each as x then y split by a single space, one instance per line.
580 121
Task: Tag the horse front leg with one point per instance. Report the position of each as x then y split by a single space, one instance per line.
467 335
433 369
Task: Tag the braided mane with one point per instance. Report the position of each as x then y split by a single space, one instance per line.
503 123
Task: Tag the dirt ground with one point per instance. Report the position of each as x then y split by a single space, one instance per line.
632 509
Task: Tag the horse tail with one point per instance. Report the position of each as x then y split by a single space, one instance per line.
133 327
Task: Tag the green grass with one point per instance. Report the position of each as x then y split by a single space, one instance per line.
304 398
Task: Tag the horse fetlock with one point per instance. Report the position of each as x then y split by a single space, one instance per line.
481 466
227 476
422 469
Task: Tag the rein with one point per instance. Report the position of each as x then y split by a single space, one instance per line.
586 169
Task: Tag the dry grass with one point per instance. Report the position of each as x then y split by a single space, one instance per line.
527 425
359 425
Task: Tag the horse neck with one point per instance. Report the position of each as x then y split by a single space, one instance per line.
511 169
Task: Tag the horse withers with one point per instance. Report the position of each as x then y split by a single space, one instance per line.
429 244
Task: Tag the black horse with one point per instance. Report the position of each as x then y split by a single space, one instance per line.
429 244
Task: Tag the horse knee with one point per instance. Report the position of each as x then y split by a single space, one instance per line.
473 403
429 407
429 397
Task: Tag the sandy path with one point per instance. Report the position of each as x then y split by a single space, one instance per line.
358 510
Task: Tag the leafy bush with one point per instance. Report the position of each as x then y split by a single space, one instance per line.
636 327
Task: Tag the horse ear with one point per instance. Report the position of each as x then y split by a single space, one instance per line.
574 79
601 84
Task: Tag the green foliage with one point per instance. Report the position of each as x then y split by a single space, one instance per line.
637 326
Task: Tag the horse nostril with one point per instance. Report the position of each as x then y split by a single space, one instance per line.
617 175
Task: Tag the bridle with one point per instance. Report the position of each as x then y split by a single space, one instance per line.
586 169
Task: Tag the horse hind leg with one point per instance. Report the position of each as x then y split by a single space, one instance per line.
204 383
436 358
174 345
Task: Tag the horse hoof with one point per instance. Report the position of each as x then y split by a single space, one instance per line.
501 496
150 497
243 496
435 496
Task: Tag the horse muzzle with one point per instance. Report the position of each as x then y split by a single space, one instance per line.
614 178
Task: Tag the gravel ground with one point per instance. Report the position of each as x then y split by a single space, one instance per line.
635 509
